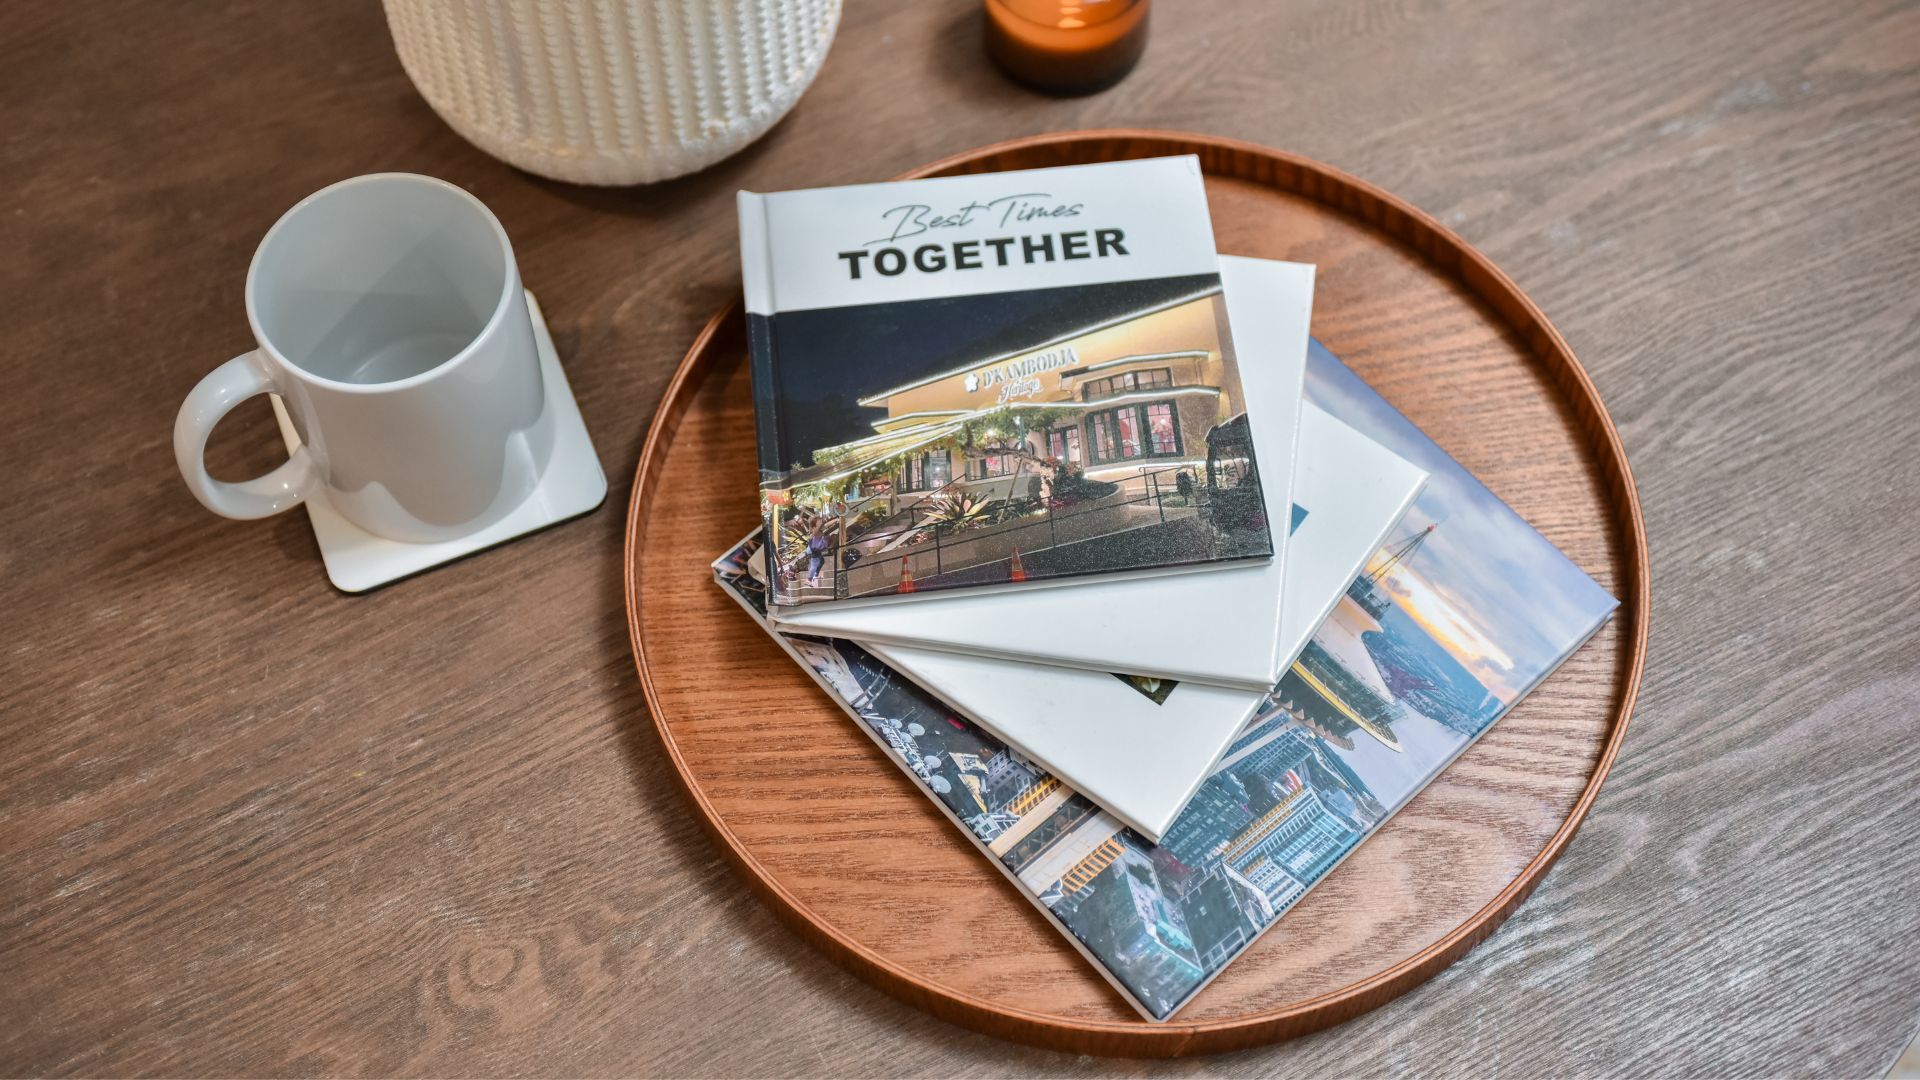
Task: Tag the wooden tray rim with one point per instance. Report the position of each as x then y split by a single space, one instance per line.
1427 237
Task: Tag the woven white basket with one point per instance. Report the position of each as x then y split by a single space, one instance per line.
612 91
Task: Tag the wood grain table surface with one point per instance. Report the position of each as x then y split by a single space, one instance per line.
249 825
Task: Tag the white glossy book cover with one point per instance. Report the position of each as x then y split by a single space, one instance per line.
979 383
1140 747
1221 628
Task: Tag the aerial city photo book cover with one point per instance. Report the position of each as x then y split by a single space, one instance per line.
1452 622
978 381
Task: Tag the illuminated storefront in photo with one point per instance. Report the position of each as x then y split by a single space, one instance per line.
1114 417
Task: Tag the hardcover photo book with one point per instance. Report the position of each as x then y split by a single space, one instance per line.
994 382
1451 623
1221 627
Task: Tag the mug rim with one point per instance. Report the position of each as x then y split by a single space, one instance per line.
509 284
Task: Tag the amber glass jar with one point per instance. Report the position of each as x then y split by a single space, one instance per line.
1067 46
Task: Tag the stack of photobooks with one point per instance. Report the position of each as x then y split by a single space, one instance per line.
1156 599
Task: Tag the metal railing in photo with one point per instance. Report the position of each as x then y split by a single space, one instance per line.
1154 488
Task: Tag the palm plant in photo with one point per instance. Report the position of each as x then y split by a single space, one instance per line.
955 510
866 518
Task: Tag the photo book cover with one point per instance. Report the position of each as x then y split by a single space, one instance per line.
982 381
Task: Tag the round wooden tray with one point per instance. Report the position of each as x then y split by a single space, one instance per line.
844 849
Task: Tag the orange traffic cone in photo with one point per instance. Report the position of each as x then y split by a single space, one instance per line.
1019 570
906 575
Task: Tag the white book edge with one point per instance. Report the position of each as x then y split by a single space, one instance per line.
756 270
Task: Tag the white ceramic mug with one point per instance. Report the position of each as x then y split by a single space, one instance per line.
391 322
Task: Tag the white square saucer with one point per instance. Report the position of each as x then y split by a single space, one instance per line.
573 484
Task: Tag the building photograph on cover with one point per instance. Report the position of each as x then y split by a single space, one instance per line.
1454 620
958 441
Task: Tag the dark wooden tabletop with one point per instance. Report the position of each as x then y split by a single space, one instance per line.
251 825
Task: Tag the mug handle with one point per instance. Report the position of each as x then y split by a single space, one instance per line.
224 387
